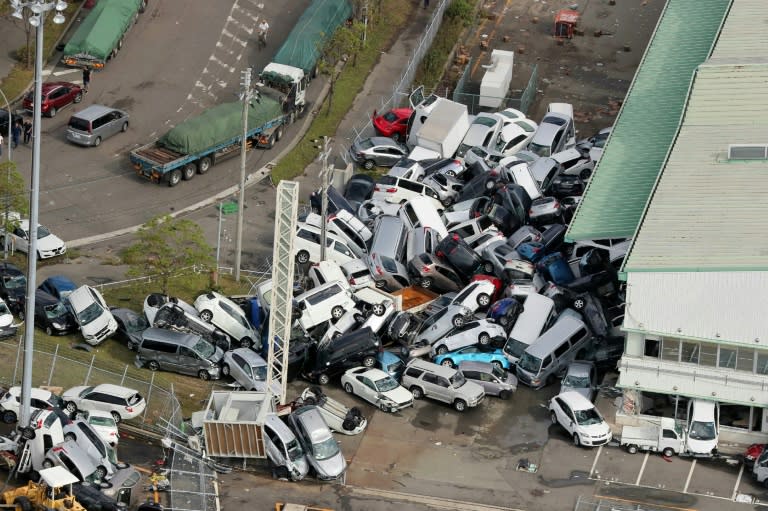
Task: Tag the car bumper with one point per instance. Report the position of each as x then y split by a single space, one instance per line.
45 254
594 442
400 406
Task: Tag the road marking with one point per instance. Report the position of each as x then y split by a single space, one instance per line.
594 463
642 469
605 497
690 474
436 502
738 481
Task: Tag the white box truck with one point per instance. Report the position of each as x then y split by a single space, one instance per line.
444 128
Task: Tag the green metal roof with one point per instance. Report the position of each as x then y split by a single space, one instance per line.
616 196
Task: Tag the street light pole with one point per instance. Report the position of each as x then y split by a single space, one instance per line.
324 180
38 8
8 184
246 98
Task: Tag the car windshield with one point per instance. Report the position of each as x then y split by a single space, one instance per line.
386 384
55 311
326 449
89 314
294 450
529 363
15 281
108 422
389 264
259 372
588 417
457 380
498 372
366 143
42 232
702 431
4 308
541 150
136 324
204 348
389 117
576 381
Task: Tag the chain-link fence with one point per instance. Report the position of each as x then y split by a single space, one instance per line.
467 92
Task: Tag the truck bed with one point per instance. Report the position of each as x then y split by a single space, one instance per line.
158 155
415 298
640 435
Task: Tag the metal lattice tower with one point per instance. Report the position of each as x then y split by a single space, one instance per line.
286 212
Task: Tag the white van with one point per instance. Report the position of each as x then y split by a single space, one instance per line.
306 246
322 303
345 226
538 313
519 172
421 212
327 271
92 314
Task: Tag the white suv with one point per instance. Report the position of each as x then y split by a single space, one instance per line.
307 246
92 314
318 305
579 417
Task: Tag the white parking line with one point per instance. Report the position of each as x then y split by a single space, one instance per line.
594 463
642 469
738 481
690 474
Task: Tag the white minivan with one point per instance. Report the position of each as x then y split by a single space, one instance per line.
329 301
538 313
92 314
421 212
306 246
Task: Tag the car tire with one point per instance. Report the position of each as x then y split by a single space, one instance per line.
174 178
48 330
337 312
9 417
448 202
442 349
380 284
576 440
416 392
488 267
426 282
448 363
369 362
504 321
203 375
303 258
504 395
124 127
101 472
225 369
78 98
206 315
23 503
203 165
460 405
70 436
28 433
323 379
368 164
632 449
116 416
584 174
246 342
348 425
47 463
189 171
483 299
153 365
668 452
484 339
378 309
457 321
97 142
71 408
348 388
279 133
52 112
553 417
579 303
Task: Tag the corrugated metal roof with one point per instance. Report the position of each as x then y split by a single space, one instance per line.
645 127
694 305
707 213
743 34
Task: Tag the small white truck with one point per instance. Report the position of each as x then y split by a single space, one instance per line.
667 438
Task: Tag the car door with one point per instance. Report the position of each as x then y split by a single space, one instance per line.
275 447
20 239
442 389
97 401
562 413
113 124
240 370
186 362
366 389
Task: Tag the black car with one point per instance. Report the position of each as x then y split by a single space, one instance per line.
130 325
514 199
336 201
456 252
327 359
53 316
483 184
565 185
359 189
13 288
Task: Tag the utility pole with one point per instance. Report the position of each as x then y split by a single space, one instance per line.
6 239
245 96
325 176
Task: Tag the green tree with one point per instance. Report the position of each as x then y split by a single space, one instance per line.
14 197
164 246
346 42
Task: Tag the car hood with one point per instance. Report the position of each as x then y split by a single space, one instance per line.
330 468
596 430
472 390
587 393
399 395
50 242
73 393
6 320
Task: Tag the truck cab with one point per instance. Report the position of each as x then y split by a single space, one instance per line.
288 80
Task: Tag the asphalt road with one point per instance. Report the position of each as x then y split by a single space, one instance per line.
180 58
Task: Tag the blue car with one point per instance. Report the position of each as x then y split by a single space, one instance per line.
531 251
474 353
505 312
390 364
58 286
555 267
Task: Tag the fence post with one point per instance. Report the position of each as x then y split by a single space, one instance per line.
90 368
125 373
149 396
53 364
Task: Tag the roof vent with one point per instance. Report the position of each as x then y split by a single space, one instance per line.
748 151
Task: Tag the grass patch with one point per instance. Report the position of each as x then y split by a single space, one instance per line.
381 33
20 76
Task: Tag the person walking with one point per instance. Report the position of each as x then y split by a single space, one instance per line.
263 29
86 78
15 134
27 131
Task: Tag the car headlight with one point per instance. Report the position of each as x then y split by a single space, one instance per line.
57 325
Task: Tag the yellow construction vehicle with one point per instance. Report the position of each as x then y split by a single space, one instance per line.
52 492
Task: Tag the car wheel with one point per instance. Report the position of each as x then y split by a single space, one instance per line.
225 369
189 171
457 320
483 299
101 472
9 417
348 388
504 321
337 312
448 202
124 127
460 405
204 165
426 282
71 408
488 267
203 375
97 142
368 165
70 436
632 449
576 440
28 433
668 452
504 395
447 363
323 379
380 284
584 174
246 342
497 364
116 417
52 112
442 349
303 258
153 365
48 330
416 392
484 339
553 417
379 309
369 362
206 315
579 303
47 464
174 178
78 97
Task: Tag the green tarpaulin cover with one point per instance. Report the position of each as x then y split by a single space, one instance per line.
218 125
302 47
101 30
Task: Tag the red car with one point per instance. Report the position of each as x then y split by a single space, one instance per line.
393 123
56 95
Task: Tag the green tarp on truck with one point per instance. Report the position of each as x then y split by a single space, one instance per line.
321 19
218 125
101 31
